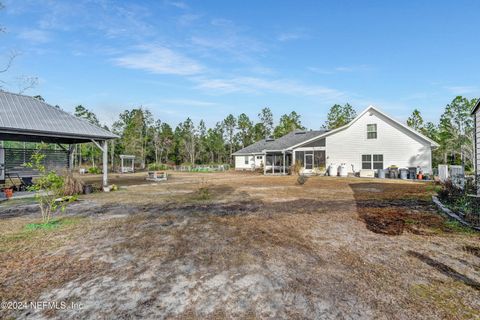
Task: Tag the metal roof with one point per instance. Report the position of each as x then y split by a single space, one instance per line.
284 142
27 118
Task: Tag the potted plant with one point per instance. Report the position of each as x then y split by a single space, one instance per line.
8 192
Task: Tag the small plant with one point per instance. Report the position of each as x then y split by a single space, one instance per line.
48 188
296 168
302 179
94 170
72 186
203 192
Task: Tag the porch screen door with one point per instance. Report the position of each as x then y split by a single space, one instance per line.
309 161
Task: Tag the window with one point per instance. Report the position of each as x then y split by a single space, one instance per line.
371 131
366 161
246 159
378 161
372 161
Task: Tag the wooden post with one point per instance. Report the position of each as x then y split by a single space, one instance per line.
284 162
265 163
71 157
104 145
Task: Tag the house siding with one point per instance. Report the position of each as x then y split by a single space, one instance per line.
477 141
398 145
252 162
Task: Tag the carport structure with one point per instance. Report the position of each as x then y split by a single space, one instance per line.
27 119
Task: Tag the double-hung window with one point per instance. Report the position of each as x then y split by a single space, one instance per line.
378 161
372 131
372 161
246 159
366 161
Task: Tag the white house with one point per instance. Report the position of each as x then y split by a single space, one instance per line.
371 141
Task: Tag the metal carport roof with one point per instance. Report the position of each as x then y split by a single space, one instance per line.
24 118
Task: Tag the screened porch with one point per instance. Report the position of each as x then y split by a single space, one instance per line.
277 162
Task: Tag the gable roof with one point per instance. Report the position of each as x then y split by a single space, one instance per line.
476 106
281 143
25 115
433 143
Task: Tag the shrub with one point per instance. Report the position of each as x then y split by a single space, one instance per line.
157 166
71 185
302 179
296 168
94 170
48 188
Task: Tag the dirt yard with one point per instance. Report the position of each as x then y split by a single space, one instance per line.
238 245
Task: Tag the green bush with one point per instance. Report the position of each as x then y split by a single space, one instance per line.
94 170
48 188
157 166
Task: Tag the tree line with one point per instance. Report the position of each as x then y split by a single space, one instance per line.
153 141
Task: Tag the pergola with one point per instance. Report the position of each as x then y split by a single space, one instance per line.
131 168
27 119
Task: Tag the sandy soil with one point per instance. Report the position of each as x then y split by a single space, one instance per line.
234 245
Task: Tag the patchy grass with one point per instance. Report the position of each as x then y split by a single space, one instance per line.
247 246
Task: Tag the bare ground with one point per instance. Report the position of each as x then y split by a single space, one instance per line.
245 246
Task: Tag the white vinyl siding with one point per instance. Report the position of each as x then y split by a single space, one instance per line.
396 144
248 162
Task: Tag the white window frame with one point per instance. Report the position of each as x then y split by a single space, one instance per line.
372 162
247 160
372 125
367 161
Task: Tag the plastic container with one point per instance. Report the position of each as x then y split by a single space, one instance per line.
342 170
393 173
381 174
332 170
404 174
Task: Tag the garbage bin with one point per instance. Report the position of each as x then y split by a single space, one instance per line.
393 173
404 174
381 174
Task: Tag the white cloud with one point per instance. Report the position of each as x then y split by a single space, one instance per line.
160 60
460 90
178 4
36 36
288 36
257 85
340 69
188 102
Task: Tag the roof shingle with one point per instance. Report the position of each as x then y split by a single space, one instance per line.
281 143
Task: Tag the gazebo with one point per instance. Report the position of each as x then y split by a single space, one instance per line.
27 119
131 167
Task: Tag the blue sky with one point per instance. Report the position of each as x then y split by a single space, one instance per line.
206 59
